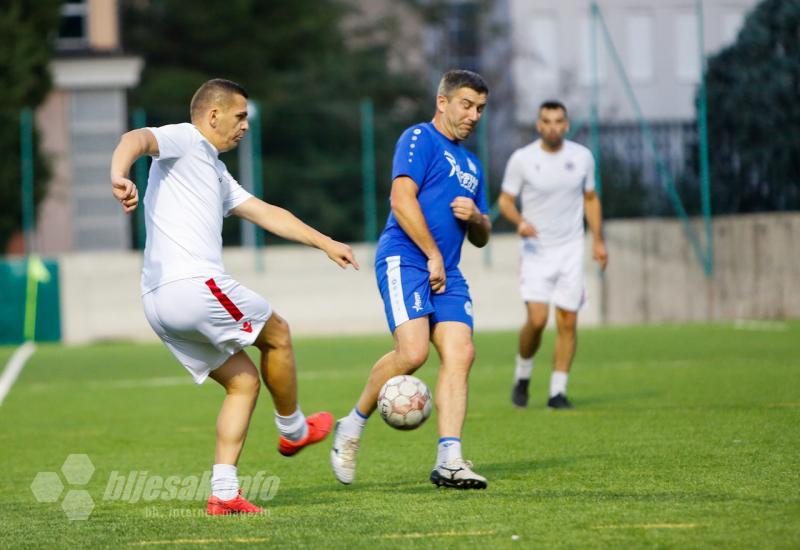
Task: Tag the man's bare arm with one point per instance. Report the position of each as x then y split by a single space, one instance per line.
408 213
132 145
283 223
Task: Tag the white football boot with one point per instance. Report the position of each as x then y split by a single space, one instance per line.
457 474
343 456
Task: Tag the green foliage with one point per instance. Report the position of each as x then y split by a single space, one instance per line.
754 113
624 193
307 76
27 29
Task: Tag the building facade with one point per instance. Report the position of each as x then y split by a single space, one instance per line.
537 50
80 123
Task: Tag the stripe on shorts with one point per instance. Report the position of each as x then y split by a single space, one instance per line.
395 283
223 299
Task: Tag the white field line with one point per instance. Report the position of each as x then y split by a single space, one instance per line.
651 526
439 534
760 326
14 367
240 540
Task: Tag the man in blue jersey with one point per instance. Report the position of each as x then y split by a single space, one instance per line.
437 199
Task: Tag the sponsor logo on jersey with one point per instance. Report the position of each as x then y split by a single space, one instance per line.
417 302
569 166
465 179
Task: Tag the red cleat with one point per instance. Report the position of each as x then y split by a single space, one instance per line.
319 426
237 505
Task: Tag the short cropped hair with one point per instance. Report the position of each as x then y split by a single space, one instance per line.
215 91
553 104
460 78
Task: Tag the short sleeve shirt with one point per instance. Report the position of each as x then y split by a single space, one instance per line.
551 188
443 169
189 192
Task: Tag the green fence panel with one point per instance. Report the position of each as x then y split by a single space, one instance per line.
13 284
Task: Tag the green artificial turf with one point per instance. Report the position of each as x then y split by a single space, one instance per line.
681 436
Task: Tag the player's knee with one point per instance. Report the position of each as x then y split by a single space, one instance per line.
567 323
245 384
413 358
276 335
537 322
461 357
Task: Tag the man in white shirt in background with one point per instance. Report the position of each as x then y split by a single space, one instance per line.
554 179
205 317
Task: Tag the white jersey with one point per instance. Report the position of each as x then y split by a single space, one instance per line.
551 186
189 191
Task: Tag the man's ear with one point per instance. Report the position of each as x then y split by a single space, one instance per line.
213 117
441 103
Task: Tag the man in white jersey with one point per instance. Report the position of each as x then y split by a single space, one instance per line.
554 179
204 316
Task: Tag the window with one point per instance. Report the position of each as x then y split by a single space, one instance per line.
73 30
639 45
687 55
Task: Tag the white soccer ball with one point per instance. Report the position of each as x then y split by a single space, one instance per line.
405 402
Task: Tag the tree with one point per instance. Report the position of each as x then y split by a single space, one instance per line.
754 113
308 77
28 29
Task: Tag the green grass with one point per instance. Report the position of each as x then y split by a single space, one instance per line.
681 437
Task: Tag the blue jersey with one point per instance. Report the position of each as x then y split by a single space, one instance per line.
443 170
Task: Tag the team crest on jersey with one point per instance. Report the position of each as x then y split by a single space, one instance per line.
570 166
465 179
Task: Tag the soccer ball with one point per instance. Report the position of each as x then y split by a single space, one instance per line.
405 402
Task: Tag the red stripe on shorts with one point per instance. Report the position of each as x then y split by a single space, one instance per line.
229 306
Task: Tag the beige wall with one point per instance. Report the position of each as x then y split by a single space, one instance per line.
103 25
54 216
653 277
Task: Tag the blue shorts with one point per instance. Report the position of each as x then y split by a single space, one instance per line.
406 293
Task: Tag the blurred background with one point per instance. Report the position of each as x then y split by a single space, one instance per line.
690 106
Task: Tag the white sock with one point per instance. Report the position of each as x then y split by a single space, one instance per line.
292 427
524 369
449 449
224 483
558 383
353 424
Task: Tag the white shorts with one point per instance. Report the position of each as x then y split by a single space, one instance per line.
552 274
205 321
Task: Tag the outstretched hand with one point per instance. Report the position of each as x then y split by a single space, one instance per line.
125 192
341 254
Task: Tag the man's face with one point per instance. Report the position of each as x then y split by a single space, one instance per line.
231 123
552 126
462 111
